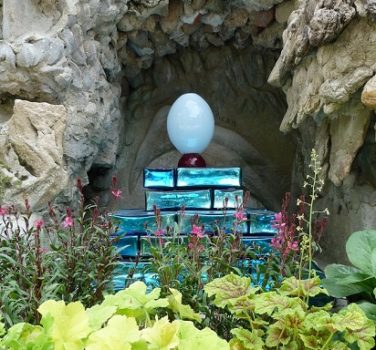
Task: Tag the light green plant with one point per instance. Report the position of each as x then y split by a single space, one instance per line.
359 280
124 321
281 319
308 212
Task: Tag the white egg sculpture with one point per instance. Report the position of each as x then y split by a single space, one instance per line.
190 124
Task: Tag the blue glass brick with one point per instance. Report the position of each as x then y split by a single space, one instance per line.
159 178
208 177
127 246
151 280
200 199
261 221
137 221
235 198
211 221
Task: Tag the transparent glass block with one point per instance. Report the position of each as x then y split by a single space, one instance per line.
136 221
200 199
127 246
235 198
151 281
208 177
211 221
159 178
261 221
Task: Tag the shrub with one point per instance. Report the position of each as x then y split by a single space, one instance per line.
67 255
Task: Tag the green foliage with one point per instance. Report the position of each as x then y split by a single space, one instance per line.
282 318
68 255
360 279
108 326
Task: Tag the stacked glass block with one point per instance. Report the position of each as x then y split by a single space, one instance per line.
207 197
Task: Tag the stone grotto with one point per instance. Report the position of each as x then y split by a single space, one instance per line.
85 88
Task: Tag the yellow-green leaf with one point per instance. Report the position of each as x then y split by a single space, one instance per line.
193 339
301 288
162 336
99 314
67 325
267 303
184 311
229 288
250 340
119 333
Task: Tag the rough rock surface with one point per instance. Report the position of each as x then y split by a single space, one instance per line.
32 142
326 69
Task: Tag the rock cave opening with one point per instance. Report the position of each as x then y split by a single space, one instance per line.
226 58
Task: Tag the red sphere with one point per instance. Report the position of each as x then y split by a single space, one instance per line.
191 160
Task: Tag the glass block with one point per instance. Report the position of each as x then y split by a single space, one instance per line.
159 178
211 220
200 199
127 246
235 198
208 177
151 281
137 221
261 221
262 242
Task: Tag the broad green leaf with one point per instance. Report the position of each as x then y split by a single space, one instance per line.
119 333
67 325
162 336
338 289
229 288
339 270
347 274
250 340
300 288
369 309
359 249
268 302
193 339
184 311
99 314
373 260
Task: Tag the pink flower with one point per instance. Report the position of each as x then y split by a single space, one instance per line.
159 232
68 222
197 230
38 224
3 211
116 193
240 216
